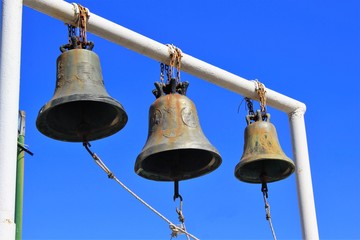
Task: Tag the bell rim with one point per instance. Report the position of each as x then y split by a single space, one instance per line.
242 162
216 159
55 102
272 156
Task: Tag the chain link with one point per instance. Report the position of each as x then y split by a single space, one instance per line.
165 70
260 90
78 40
162 70
168 71
71 32
249 104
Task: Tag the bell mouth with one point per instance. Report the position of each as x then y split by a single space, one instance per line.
272 169
76 120
177 165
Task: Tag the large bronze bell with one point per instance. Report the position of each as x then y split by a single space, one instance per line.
263 159
81 109
176 148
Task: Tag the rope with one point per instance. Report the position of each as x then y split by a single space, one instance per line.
182 219
260 90
102 165
175 61
264 190
82 22
179 211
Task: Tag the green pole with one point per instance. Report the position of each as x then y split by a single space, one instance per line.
20 177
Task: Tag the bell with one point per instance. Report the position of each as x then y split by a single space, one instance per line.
176 148
263 159
81 109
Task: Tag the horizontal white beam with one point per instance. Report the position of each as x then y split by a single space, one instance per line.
113 32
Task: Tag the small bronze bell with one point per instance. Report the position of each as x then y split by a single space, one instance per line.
263 159
81 109
176 148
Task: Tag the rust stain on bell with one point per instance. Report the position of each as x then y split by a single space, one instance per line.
81 109
176 148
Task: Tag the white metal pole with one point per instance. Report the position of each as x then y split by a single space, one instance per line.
113 32
303 175
9 104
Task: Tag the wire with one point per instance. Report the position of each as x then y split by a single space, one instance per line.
101 164
264 190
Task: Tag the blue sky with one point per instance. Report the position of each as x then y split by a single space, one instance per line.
308 50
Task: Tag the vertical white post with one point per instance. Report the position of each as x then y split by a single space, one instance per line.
10 46
303 175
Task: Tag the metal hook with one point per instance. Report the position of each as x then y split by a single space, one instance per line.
87 147
264 187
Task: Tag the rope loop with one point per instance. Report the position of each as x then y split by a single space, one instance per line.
261 91
175 61
175 229
78 41
82 23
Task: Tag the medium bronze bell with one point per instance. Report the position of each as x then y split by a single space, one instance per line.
176 148
263 159
81 109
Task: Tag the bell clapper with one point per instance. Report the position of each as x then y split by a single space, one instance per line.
176 191
180 229
264 190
